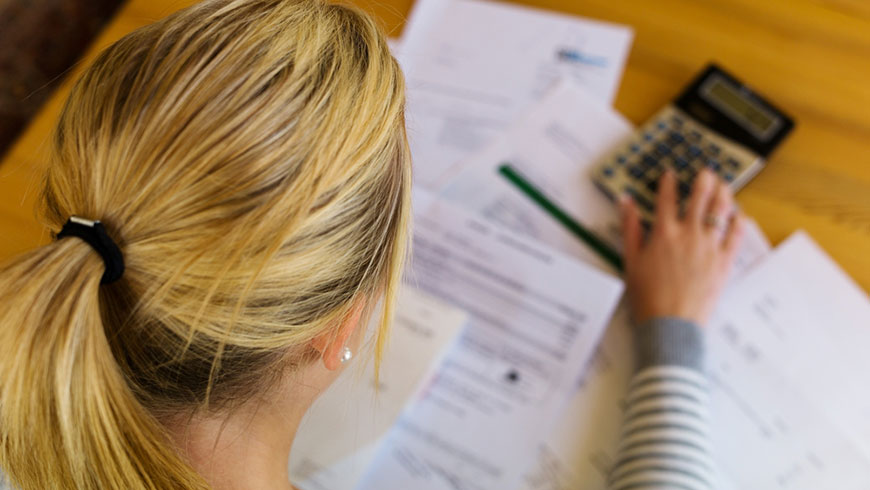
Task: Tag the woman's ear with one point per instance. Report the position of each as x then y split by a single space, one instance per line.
331 344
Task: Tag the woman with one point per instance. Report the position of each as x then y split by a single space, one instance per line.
248 164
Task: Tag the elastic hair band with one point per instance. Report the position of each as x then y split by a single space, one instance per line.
95 234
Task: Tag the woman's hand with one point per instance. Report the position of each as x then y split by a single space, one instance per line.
681 268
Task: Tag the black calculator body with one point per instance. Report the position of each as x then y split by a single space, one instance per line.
717 122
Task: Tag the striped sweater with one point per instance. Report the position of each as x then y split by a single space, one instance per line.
665 436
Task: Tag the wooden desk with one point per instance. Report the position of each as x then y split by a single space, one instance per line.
812 57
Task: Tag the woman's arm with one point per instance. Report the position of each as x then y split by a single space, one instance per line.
674 280
665 439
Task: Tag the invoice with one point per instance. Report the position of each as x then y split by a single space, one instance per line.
536 317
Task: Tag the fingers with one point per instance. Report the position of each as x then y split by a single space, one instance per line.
631 231
734 236
721 206
666 200
702 192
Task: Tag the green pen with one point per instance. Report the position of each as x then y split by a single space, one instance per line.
589 238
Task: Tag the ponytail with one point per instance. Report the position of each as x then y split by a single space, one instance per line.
67 416
250 157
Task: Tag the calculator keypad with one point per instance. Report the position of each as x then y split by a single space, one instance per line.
672 140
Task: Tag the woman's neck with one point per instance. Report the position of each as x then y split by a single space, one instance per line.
248 448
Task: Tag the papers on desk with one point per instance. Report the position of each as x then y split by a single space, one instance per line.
554 146
473 66
492 84
579 454
787 363
788 366
535 318
342 431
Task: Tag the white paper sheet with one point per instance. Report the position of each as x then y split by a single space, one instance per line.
536 317
788 363
473 66
554 147
343 429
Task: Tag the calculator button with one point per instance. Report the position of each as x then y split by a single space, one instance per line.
733 163
621 159
663 149
635 148
694 151
684 189
713 164
654 172
713 149
691 173
728 177
636 172
676 138
639 199
694 135
608 171
647 136
649 162
661 125
680 163
653 185
677 121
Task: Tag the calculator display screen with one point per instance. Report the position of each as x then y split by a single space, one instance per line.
759 121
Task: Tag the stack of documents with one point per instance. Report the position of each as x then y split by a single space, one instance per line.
511 352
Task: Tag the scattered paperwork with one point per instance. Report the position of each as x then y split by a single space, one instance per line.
473 66
530 394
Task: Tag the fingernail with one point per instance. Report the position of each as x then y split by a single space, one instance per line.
624 199
709 177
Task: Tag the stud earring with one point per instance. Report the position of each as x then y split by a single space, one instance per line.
346 355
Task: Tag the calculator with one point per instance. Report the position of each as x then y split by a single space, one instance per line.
717 122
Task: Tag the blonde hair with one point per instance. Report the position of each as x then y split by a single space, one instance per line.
250 159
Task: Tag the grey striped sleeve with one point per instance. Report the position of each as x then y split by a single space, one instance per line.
665 440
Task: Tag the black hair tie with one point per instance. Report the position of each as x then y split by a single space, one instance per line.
95 234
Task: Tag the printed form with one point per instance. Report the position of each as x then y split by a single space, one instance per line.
473 66
535 318
554 146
